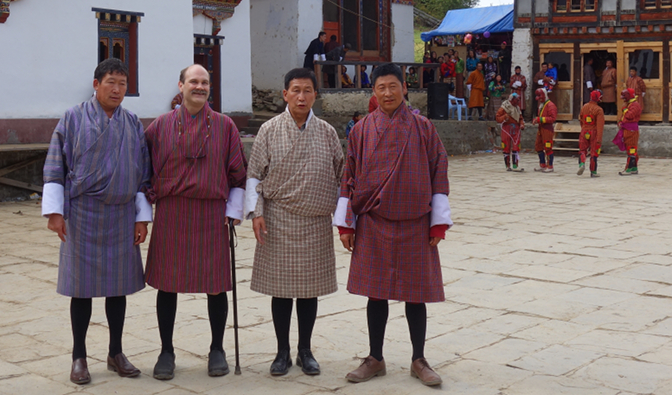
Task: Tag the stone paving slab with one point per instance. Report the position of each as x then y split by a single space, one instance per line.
555 284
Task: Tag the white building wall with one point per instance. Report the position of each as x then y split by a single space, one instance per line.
403 45
521 55
310 25
236 61
273 33
51 49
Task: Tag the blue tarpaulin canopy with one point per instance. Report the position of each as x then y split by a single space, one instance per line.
495 19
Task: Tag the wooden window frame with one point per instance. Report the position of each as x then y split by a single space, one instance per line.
130 21
583 8
658 5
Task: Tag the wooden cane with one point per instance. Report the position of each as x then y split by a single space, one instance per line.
232 245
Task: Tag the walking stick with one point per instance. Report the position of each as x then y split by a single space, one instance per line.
232 245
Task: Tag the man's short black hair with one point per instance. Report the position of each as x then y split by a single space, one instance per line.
110 66
298 74
545 63
517 67
333 37
633 68
387 69
322 34
356 114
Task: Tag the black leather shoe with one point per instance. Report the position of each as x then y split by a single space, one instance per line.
281 364
217 365
80 372
165 366
307 362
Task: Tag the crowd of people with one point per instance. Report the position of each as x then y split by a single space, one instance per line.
104 171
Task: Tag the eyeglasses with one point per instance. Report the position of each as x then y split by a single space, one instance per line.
200 153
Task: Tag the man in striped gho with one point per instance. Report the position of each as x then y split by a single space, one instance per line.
95 169
291 192
198 186
392 213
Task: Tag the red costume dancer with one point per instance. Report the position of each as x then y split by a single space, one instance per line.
592 125
629 125
511 119
544 144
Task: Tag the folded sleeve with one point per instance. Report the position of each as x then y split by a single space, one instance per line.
441 210
143 209
53 198
235 203
341 214
252 198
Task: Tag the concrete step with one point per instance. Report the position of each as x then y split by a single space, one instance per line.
256 122
250 130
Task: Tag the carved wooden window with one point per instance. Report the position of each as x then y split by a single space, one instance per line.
653 4
118 38
576 5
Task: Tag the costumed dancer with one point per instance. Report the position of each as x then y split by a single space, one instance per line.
510 117
547 113
629 131
592 125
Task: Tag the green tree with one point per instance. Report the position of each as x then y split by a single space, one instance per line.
438 8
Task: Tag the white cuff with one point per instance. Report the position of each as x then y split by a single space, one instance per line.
589 84
251 197
53 198
234 205
643 93
441 210
143 210
540 82
341 214
315 57
323 57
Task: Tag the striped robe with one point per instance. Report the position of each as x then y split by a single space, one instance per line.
101 164
295 174
193 177
521 90
394 168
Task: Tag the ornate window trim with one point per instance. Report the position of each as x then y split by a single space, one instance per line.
4 10
217 10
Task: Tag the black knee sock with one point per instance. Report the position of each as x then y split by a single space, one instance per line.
80 315
480 111
218 309
507 160
306 312
281 310
542 157
115 310
166 308
416 315
377 312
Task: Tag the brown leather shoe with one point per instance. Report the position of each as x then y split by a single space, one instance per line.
79 374
121 365
369 369
420 369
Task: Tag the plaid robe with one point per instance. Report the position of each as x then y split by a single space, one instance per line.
299 172
393 168
520 91
192 180
102 164
637 84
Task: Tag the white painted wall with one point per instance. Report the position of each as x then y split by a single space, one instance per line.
521 55
273 34
236 61
51 50
310 25
402 33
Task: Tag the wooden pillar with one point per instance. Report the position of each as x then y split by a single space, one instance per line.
578 77
338 76
358 76
318 75
421 72
666 80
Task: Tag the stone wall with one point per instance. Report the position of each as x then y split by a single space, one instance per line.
345 103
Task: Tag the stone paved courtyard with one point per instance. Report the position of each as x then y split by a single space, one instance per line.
555 284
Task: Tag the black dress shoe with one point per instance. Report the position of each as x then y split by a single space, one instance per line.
281 364
165 366
217 365
307 362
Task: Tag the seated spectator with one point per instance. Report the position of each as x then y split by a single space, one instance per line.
365 77
346 82
355 118
412 78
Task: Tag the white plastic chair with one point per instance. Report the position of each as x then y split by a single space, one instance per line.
457 105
